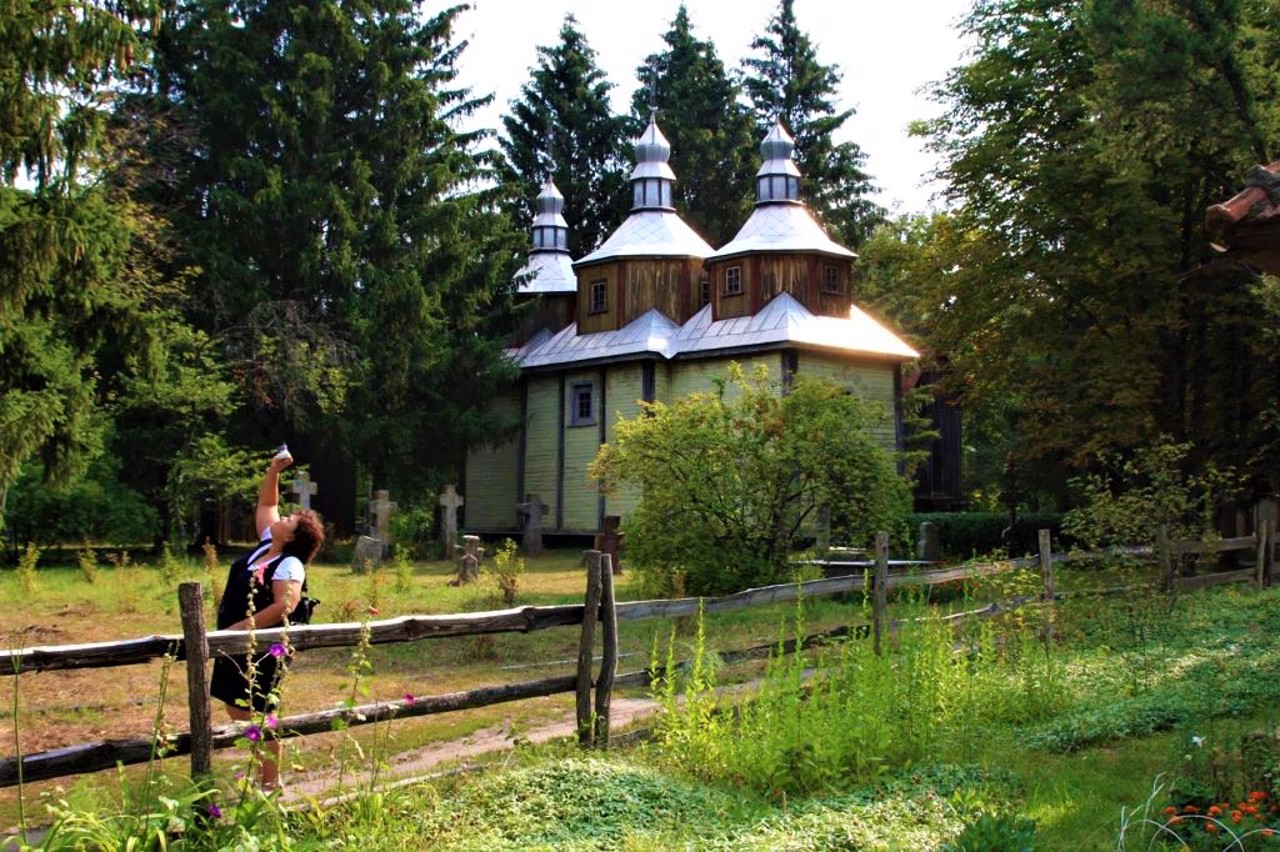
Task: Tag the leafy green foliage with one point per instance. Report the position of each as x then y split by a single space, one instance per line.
97 508
1136 496
732 481
1073 289
711 133
786 82
506 568
965 535
989 832
563 127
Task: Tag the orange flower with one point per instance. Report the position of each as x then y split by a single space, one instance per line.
1211 827
1236 816
1266 832
1258 796
1250 809
1170 811
1214 811
1176 821
1190 809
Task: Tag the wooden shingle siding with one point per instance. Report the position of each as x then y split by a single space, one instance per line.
764 276
542 442
872 381
581 442
491 488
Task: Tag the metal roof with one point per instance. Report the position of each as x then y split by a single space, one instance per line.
653 229
549 268
548 272
650 233
784 321
781 227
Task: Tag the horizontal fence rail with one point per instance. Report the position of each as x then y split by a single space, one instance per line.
870 578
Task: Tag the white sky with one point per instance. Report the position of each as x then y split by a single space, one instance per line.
886 49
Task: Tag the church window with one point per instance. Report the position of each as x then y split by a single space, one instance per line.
582 410
832 284
599 296
733 281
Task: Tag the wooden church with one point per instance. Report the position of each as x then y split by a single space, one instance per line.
655 313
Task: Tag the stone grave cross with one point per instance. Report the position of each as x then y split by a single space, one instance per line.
449 501
532 510
304 488
382 508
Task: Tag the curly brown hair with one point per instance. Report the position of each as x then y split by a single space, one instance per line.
308 536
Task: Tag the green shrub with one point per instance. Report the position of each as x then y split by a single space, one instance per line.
965 535
996 833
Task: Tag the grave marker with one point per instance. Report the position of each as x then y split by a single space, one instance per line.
449 501
304 489
532 510
382 507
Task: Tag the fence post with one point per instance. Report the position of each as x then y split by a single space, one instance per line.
1046 570
609 652
1165 555
590 614
191 606
880 597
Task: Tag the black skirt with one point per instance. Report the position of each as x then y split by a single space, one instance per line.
230 682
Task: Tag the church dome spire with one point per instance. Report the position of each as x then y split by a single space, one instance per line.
778 179
652 181
550 230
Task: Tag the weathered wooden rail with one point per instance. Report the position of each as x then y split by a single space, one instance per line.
593 717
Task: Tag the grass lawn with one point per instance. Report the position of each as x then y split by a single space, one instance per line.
1066 735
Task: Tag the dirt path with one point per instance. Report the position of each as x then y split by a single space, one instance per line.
624 713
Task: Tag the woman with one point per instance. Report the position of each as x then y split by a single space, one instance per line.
262 589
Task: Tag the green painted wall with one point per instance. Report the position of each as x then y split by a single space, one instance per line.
491 477
581 495
869 380
624 389
686 377
542 443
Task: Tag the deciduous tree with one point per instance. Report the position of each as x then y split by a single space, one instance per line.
733 481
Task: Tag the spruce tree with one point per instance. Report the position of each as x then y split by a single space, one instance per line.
562 126
69 279
350 263
785 81
713 150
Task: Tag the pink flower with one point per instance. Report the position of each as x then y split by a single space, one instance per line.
277 650
215 811
253 733
409 700
271 721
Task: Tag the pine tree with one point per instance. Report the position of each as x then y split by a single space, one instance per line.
785 81
348 259
563 125
69 282
711 133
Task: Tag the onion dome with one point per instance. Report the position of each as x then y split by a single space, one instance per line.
653 229
780 222
550 269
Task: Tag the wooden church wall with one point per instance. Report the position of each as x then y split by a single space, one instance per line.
542 442
581 496
868 379
492 486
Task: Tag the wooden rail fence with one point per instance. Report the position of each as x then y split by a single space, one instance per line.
196 645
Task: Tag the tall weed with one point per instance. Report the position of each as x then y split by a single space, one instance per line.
26 571
87 562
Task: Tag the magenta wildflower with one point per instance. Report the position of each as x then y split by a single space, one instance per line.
409 700
253 733
271 721
277 650
215 811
